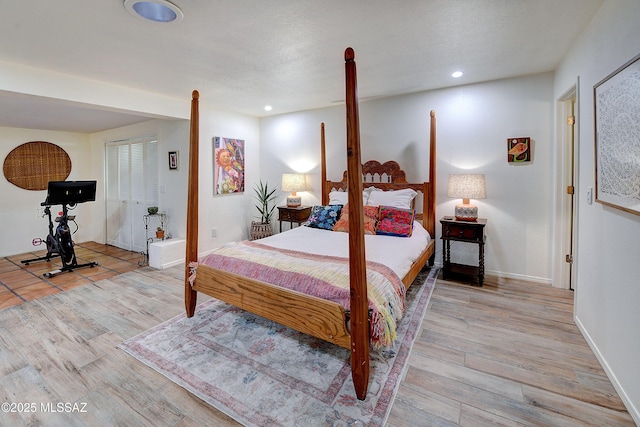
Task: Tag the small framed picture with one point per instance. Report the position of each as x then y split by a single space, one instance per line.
519 150
173 160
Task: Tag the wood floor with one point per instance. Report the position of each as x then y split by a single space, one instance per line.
504 354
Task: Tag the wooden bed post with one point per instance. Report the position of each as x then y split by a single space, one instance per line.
191 296
323 168
357 264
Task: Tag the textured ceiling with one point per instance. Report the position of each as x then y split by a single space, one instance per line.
242 55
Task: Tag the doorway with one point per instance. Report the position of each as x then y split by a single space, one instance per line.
131 187
566 214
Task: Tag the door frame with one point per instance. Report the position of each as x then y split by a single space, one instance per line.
566 212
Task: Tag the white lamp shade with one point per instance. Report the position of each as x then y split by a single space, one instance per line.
467 186
294 182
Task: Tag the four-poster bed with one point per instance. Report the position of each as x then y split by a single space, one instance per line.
325 319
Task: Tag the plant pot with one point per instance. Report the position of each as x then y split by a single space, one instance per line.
160 234
260 230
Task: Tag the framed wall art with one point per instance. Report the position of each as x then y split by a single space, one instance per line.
173 160
228 165
617 138
519 150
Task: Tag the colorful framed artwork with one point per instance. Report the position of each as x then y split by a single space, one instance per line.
616 101
173 160
519 150
228 165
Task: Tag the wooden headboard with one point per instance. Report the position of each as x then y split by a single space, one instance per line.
389 176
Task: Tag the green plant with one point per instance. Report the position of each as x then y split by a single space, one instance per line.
266 201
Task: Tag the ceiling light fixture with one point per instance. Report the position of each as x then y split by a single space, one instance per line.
456 74
155 10
267 108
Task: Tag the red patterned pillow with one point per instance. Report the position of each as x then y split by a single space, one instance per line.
370 220
395 221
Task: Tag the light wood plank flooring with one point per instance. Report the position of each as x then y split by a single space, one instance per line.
504 354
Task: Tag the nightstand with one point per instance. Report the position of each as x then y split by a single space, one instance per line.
462 231
293 215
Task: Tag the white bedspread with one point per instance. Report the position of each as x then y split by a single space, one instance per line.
397 253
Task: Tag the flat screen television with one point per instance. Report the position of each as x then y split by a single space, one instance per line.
70 192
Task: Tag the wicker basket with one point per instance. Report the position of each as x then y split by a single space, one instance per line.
260 230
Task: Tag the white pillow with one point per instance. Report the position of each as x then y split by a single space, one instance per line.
342 197
395 198
338 197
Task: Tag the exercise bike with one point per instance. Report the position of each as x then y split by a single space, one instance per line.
59 242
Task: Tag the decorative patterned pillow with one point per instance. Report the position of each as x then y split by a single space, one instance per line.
395 198
370 220
395 222
324 217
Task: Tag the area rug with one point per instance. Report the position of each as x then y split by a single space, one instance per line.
264 374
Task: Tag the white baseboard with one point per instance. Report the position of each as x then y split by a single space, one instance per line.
631 408
509 275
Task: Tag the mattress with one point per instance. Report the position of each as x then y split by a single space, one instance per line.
397 253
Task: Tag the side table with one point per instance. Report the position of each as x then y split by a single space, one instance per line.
463 231
293 215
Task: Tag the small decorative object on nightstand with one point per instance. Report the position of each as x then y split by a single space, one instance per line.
462 231
296 215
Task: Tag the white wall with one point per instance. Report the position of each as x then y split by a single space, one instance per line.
474 123
608 287
63 87
19 207
173 135
87 156
229 214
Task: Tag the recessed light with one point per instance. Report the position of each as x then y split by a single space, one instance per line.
268 108
456 74
154 10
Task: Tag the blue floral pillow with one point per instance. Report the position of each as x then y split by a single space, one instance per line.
324 217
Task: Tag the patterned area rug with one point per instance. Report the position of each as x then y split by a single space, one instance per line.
264 374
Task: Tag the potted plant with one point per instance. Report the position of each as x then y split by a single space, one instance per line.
266 206
159 233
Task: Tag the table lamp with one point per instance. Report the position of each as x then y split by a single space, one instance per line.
465 187
294 182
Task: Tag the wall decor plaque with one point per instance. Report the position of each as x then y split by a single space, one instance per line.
33 164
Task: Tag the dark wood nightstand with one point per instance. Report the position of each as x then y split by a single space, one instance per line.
462 231
292 215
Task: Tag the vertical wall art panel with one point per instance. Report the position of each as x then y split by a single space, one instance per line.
228 164
173 160
617 138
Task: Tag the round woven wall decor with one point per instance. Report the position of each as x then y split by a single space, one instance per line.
33 164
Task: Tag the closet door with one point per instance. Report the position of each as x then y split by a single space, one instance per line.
132 186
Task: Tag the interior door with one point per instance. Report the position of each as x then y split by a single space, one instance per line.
568 141
132 186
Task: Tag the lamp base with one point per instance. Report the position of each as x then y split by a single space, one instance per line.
466 212
294 202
